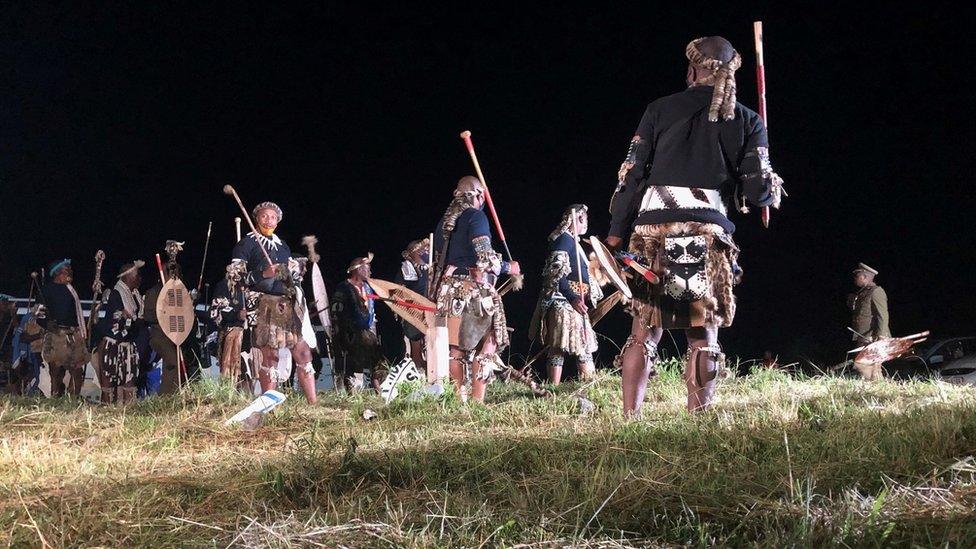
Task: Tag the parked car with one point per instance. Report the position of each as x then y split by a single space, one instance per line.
952 360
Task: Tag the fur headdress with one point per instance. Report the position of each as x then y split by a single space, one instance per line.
268 206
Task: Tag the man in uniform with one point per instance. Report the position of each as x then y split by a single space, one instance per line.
354 318
870 307
64 349
280 311
561 316
466 298
692 151
116 356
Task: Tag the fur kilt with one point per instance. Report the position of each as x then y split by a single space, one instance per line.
230 342
277 324
362 351
473 309
695 263
566 330
64 346
118 362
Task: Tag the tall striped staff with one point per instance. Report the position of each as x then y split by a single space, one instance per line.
761 91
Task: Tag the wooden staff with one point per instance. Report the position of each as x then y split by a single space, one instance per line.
206 247
237 228
230 190
579 270
761 89
466 136
96 293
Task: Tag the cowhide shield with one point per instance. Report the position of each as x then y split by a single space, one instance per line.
686 279
402 372
174 311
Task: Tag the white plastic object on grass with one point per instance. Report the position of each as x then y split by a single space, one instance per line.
263 404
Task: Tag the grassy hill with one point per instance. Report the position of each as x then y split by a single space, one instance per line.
778 462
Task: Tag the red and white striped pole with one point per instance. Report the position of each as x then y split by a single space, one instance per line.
761 89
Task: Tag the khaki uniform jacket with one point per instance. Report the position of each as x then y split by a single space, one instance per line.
871 313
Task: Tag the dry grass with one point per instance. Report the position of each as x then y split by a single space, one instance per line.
779 462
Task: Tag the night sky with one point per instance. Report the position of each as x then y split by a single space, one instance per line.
120 126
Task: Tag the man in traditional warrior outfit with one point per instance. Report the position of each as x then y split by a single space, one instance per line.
64 349
414 275
354 319
870 307
279 310
229 313
116 357
561 316
28 341
465 289
172 377
692 151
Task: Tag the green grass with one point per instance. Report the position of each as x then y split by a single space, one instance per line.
778 462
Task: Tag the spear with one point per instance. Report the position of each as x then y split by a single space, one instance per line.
466 136
206 247
761 90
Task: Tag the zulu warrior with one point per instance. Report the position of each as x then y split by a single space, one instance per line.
64 349
280 309
414 275
561 317
175 360
229 313
117 357
354 312
465 290
692 152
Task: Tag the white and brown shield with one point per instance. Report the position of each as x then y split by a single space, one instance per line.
609 267
390 290
174 311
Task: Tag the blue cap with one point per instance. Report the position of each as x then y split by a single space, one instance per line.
57 265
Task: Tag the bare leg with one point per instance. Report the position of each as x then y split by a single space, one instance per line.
301 355
480 386
587 370
702 368
269 363
637 365
77 379
417 354
457 371
554 366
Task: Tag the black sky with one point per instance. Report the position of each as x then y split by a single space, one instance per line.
120 126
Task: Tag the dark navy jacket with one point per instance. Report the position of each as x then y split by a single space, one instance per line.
565 243
249 249
60 305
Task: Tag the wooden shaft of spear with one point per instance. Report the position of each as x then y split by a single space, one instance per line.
466 136
761 90
206 247
230 190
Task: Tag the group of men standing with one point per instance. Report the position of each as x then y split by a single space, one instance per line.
692 154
